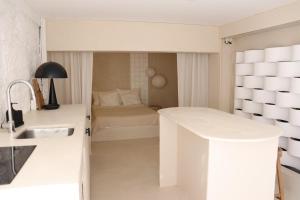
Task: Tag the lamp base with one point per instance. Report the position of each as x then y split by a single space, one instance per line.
51 107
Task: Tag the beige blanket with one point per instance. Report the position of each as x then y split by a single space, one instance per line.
122 116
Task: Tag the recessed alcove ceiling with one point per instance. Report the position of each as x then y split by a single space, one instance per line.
202 12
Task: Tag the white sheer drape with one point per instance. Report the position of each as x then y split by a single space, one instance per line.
192 69
138 78
77 88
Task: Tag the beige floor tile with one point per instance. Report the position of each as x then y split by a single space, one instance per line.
128 170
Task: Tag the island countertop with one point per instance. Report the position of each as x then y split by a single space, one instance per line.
54 161
213 155
217 125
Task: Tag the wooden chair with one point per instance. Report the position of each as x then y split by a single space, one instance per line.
280 195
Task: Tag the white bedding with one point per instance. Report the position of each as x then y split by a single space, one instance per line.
123 116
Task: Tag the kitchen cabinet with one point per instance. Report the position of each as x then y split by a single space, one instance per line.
85 185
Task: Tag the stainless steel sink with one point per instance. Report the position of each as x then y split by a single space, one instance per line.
45 133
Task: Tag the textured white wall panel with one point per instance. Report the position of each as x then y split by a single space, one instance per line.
19 50
279 100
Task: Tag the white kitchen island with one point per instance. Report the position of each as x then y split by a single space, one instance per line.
213 155
58 168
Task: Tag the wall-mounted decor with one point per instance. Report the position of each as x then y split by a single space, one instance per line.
267 90
150 72
159 81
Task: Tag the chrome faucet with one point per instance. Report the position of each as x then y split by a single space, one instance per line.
11 124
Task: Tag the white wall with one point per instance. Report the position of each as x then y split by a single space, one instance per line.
282 36
75 35
277 17
213 80
19 50
227 78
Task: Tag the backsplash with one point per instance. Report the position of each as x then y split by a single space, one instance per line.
19 50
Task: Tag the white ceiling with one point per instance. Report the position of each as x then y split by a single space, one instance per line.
204 12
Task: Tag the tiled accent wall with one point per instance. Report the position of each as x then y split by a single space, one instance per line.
138 78
19 50
267 89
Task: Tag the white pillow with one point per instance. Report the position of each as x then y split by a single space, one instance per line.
123 91
96 100
110 98
129 97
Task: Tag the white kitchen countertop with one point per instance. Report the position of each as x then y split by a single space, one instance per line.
217 125
55 161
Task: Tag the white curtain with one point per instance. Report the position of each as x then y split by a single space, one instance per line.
192 69
138 78
77 88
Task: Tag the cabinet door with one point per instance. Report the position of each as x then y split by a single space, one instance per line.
82 192
89 139
86 167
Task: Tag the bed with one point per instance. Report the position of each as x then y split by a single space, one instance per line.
123 122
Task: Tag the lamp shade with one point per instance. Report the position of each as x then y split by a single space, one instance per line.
51 70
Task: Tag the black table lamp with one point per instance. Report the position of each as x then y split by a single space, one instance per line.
51 70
